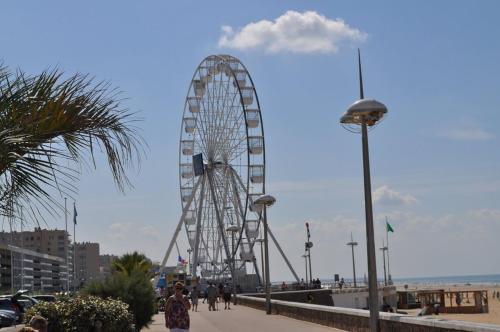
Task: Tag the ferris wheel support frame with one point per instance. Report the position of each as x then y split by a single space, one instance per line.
219 220
240 208
178 228
198 226
275 243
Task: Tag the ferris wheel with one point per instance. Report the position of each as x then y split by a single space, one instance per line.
221 167
222 172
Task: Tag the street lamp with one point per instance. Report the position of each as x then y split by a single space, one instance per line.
366 113
189 261
305 258
353 244
233 229
266 201
384 249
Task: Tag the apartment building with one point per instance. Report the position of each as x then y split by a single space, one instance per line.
22 268
87 263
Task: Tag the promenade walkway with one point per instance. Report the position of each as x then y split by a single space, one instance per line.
240 319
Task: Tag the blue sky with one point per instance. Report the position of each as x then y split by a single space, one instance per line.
434 160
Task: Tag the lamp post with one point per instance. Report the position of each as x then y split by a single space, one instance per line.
266 201
353 244
384 249
305 259
261 241
366 113
309 245
189 261
233 229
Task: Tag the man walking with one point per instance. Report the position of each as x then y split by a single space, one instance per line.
226 291
212 296
194 298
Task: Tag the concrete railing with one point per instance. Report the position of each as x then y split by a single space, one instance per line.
358 320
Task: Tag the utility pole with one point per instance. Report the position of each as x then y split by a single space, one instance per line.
353 244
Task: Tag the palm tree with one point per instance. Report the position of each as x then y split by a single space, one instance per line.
49 127
134 262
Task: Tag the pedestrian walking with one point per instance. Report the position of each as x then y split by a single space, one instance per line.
212 297
177 310
194 298
205 296
227 296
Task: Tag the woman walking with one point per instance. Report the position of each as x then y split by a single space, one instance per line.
177 311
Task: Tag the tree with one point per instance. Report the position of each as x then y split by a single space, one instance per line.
133 262
130 283
49 127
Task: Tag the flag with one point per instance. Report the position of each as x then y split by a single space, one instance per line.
181 260
74 213
389 227
307 227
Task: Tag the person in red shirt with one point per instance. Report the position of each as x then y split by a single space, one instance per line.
177 310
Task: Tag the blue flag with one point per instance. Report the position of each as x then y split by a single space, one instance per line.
74 213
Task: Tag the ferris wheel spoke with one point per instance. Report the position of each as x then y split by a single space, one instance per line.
222 127
230 130
237 123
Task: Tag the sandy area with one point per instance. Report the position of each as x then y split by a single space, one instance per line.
492 317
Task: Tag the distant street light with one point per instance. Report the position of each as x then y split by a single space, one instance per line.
266 201
384 249
307 279
353 244
367 112
309 245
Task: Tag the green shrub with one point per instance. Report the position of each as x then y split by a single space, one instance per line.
84 313
135 289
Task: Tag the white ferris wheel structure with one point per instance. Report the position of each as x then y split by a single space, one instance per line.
222 171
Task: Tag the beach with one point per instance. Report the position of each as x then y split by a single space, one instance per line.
493 315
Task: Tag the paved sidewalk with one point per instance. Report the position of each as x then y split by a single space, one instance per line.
240 319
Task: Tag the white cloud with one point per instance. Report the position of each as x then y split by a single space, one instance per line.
126 230
466 134
486 214
295 32
386 196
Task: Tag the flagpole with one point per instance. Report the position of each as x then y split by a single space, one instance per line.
66 237
74 247
22 251
388 265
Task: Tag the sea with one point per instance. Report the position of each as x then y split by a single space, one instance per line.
480 279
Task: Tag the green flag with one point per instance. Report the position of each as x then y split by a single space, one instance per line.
389 227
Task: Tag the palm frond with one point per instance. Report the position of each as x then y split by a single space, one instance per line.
50 126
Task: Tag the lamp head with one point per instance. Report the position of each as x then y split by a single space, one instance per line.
266 200
369 111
